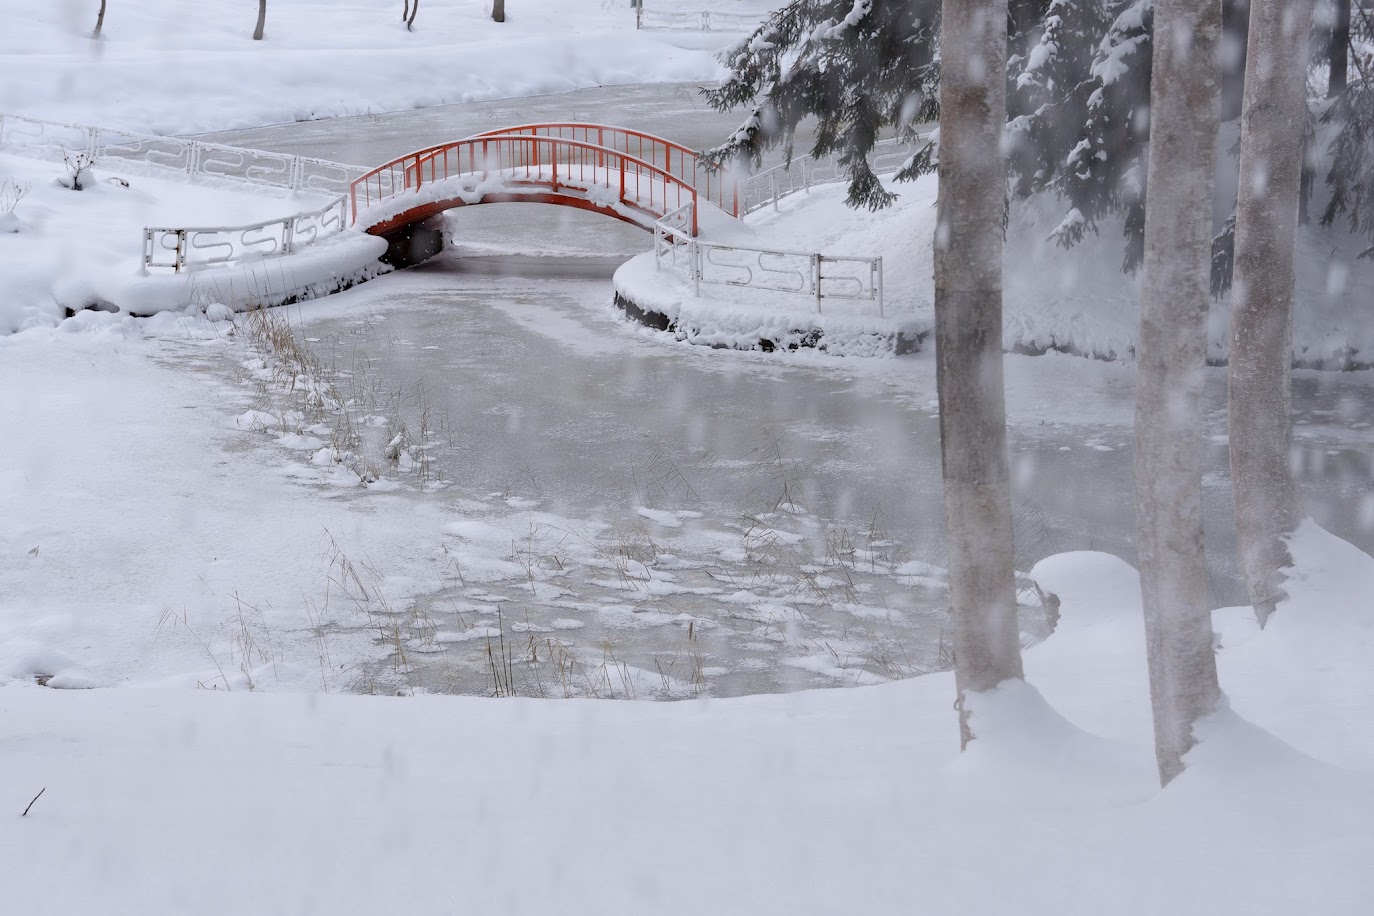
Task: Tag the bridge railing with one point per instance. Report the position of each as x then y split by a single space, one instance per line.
189 248
520 163
814 275
713 185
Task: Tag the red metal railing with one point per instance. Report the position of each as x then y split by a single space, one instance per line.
713 185
528 164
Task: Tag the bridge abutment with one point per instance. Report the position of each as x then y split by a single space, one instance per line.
413 244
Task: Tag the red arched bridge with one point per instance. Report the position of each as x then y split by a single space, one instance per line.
633 176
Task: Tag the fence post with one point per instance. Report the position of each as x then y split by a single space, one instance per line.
289 236
694 265
181 251
816 279
193 159
878 284
773 183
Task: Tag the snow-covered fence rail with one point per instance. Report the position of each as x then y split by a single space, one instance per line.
771 185
193 157
702 21
189 248
812 274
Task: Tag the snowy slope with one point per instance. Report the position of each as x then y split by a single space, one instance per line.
852 801
180 66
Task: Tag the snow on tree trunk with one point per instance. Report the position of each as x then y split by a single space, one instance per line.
1271 151
99 21
1184 103
262 20
498 10
968 348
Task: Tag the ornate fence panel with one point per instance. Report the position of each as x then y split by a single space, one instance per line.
195 247
771 185
812 274
192 157
48 137
701 21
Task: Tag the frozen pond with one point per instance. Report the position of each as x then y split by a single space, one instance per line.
639 517
671 519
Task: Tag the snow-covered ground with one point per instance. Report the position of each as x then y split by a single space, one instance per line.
182 66
75 249
819 802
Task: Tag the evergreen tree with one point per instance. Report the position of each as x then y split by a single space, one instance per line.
1351 176
858 66
1049 92
1105 169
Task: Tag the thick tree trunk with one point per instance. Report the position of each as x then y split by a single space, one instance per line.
99 21
968 347
262 20
1173 333
1338 51
1271 150
498 10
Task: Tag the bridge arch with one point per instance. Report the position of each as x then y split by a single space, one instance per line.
591 167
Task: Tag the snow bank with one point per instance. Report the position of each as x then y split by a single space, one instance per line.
182 66
74 250
1075 301
663 299
824 801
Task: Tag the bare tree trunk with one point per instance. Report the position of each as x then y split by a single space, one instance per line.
405 12
1271 149
498 10
968 348
1184 105
99 20
1338 52
414 8
262 20
1235 18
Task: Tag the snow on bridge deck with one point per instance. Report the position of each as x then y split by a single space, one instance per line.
632 176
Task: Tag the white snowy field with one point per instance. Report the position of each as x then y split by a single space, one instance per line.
1077 301
182 66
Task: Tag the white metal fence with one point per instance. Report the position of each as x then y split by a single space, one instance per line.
702 21
771 185
193 157
189 248
814 275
